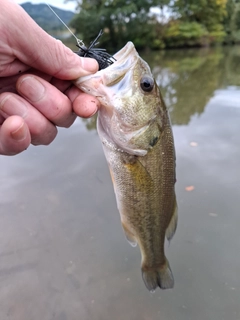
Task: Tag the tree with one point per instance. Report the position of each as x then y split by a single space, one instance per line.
209 13
188 23
121 21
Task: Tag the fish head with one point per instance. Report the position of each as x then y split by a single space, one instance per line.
131 104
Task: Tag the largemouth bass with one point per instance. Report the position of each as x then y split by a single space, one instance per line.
135 130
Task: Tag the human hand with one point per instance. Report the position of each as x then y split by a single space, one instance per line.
36 93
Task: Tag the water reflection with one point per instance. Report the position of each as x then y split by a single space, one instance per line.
189 81
63 252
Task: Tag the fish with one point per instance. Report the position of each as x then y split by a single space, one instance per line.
136 134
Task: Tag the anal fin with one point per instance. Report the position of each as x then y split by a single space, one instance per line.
171 229
130 237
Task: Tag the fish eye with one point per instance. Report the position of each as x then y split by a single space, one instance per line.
147 83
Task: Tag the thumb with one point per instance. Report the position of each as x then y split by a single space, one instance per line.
34 47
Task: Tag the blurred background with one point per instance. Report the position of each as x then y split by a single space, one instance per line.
62 249
150 24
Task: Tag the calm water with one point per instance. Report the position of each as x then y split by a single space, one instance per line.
63 253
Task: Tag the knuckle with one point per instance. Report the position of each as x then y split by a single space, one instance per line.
62 53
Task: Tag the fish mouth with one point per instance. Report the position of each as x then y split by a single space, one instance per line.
122 55
110 76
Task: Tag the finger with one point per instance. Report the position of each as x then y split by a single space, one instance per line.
8 84
14 136
53 57
61 85
84 105
2 119
42 131
13 68
46 98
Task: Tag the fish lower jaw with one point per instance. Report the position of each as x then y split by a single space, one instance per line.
113 143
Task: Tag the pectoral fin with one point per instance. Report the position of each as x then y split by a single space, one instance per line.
173 223
130 237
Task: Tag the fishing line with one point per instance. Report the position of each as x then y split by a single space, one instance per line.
79 42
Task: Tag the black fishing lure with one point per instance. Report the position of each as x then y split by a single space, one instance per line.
103 58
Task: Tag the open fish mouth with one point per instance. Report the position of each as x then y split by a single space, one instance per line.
123 55
125 58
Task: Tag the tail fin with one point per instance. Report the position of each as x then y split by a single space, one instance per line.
160 276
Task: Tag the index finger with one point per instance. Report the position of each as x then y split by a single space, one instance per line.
38 49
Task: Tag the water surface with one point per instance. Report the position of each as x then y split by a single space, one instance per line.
63 253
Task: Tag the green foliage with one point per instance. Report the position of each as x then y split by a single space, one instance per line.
180 34
237 20
190 23
207 12
207 17
121 21
231 23
236 17
217 34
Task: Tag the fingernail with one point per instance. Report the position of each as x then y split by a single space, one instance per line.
90 65
10 105
20 133
95 109
31 88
